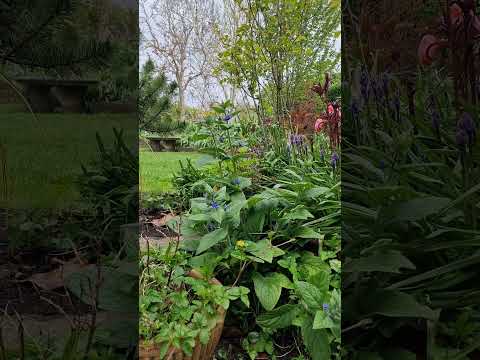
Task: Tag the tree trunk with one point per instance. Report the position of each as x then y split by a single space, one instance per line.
181 103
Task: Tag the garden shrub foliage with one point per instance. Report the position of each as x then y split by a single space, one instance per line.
273 230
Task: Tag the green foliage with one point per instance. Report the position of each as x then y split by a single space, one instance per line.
176 310
265 237
110 184
273 58
155 100
409 221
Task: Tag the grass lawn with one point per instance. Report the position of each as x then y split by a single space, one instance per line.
43 158
157 168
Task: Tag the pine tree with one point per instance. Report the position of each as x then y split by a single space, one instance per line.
155 101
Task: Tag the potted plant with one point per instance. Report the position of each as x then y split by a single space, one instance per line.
181 312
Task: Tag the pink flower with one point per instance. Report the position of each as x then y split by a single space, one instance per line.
428 49
456 14
330 109
320 124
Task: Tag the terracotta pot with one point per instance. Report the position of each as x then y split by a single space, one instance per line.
200 352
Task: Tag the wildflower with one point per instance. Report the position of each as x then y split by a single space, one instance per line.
395 104
461 138
214 205
320 124
364 84
227 118
236 181
434 114
296 139
467 125
325 307
429 49
355 111
334 160
456 14
240 243
381 165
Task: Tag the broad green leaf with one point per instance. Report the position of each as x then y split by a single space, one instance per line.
298 213
279 318
211 239
396 304
269 288
264 250
307 233
316 342
389 262
398 354
414 210
312 296
322 321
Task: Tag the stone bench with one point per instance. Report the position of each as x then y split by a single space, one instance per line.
160 143
50 95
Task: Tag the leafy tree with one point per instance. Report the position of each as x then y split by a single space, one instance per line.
45 35
155 101
280 47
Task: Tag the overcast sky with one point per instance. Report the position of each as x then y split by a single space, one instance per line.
143 55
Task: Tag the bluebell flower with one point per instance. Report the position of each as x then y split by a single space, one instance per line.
326 307
467 125
382 165
334 161
236 181
364 84
355 111
227 118
461 138
214 205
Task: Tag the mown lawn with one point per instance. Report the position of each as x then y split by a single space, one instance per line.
157 168
44 157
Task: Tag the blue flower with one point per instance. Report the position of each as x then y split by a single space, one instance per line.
381 165
227 117
467 125
214 205
326 307
364 84
334 161
236 181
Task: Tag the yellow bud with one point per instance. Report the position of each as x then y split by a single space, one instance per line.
240 243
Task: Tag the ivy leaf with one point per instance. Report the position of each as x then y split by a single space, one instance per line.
269 288
280 317
211 239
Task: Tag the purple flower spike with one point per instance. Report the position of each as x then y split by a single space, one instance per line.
335 159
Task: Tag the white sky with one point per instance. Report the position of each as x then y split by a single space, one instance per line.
143 56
